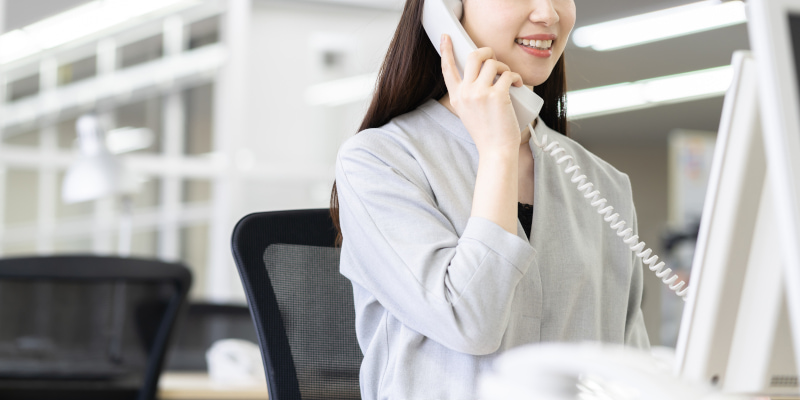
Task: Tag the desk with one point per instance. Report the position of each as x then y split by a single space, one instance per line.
198 386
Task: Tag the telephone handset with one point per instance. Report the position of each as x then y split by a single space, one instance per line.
443 16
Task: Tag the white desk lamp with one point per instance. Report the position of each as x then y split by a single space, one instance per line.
97 173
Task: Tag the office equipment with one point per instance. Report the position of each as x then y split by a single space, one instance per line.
741 329
235 361
199 326
729 323
568 371
62 336
774 31
302 307
97 173
442 16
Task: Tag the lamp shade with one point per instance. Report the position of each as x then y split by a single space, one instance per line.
96 173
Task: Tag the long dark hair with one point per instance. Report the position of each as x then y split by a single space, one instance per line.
411 74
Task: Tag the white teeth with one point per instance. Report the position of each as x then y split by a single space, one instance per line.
539 44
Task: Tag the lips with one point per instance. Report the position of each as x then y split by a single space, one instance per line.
537 44
533 48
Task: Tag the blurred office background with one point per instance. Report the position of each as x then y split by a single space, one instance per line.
248 100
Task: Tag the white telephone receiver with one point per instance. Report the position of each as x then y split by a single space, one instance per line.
443 16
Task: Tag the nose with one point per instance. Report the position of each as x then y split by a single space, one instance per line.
544 12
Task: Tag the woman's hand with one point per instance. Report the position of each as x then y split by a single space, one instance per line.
483 105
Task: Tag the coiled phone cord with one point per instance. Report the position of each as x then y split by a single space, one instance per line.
593 196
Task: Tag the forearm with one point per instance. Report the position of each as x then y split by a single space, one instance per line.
496 188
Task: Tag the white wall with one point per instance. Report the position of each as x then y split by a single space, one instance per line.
296 141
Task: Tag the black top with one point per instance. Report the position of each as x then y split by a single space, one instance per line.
525 215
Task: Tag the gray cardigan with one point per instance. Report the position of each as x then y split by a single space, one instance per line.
438 294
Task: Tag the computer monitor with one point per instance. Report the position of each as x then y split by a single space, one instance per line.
729 321
740 330
775 39
732 311
745 282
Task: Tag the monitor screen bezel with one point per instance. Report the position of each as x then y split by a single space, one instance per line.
779 95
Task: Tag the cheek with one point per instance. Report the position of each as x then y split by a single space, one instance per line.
568 23
487 22
568 17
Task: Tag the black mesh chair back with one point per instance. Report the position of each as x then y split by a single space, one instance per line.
301 305
86 327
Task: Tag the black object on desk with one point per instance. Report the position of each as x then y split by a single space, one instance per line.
86 327
301 305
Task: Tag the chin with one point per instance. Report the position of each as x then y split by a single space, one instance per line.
535 80
536 76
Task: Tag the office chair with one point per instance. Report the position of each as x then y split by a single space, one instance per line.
301 306
86 327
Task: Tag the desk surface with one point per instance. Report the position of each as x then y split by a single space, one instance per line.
198 386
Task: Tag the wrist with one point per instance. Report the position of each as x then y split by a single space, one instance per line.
502 155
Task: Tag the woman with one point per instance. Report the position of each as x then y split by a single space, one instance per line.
448 265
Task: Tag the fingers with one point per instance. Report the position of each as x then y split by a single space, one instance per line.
451 77
475 61
491 68
507 79
481 67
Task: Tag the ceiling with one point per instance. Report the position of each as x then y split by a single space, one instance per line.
19 13
586 68
589 68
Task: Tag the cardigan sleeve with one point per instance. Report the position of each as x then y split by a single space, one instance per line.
635 331
398 245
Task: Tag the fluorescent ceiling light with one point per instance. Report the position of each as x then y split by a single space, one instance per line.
580 103
76 23
659 25
649 92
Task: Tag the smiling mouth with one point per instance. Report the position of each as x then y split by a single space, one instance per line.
535 44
